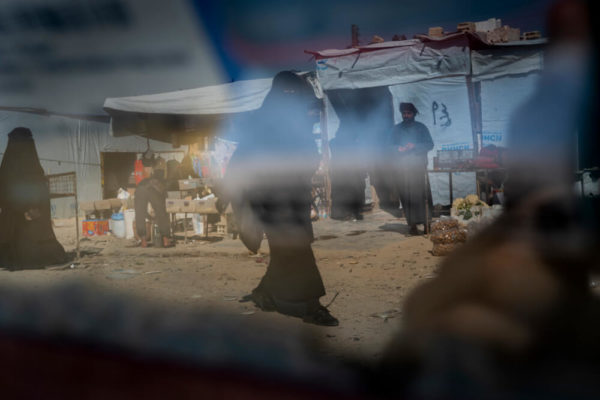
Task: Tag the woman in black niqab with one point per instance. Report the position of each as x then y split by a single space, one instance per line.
269 178
27 239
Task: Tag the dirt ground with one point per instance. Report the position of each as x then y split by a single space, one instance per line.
368 267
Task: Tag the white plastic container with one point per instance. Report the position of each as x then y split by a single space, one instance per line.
198 222
118 225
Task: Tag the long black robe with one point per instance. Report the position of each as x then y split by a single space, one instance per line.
25 242
269 176
411 169
347 178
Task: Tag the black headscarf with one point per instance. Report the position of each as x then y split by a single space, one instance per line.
21 157
22 180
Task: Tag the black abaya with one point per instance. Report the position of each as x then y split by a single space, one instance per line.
27 239
270 174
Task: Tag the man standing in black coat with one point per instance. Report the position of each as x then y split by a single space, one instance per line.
411 141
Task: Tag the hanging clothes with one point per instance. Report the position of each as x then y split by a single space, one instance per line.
138 171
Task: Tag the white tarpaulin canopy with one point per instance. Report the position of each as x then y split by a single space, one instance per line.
228 98
435 75
390 64
184 116
503 61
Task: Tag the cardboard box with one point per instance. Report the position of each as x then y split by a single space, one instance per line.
115 204
504 34
532 35
175 194
436 31
453 159
180 206
488 25
186 184
208 206
466 27
102 205
513 34
127 203
87 207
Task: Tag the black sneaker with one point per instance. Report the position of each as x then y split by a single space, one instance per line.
321 316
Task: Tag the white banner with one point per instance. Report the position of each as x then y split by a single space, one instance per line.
68 56
499 99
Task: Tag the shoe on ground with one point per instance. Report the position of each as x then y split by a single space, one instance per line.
263 300
413 230
167 242
322 317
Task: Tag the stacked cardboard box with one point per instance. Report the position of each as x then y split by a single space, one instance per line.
532 35
186 184
504 34
466 27
89 207
436 31
208 206
488 25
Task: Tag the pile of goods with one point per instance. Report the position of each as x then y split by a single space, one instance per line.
447 234
468 207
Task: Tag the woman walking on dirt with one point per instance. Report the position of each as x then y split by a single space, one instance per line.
270 177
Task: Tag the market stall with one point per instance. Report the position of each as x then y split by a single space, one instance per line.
464 88
207 120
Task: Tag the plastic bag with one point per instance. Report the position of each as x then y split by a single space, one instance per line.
445 225
441 249
123 194
449 236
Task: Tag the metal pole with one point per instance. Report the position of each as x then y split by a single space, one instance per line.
76 216
427 193
450 186
325 154
474 93
184 227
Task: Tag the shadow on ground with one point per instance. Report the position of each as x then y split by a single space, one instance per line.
395 227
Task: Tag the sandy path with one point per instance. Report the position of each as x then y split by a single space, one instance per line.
370 264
